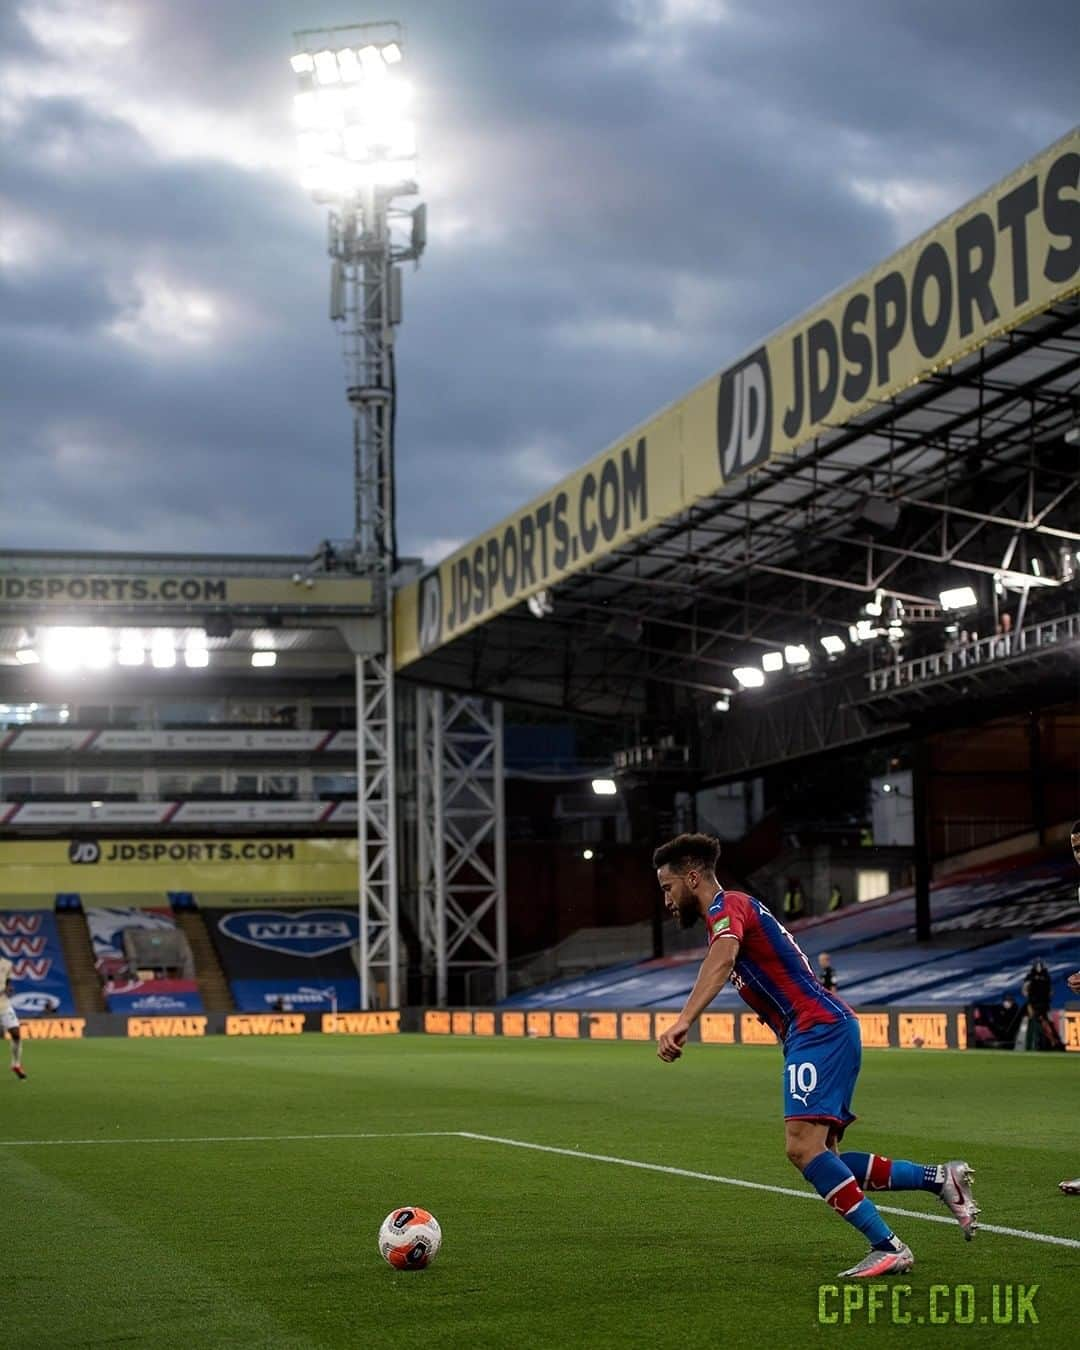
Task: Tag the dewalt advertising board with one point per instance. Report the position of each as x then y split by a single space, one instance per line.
34 873
1004 257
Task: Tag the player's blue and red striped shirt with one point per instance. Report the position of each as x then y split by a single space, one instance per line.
771 972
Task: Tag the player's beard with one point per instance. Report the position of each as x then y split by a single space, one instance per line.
686 911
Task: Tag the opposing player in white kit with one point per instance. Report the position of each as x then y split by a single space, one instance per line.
8 1021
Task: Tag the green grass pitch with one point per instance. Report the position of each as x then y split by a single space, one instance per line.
273 1243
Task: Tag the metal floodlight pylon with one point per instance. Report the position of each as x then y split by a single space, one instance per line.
365 303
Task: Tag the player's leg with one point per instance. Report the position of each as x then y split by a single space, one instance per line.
820 1069
950 1182
11 1026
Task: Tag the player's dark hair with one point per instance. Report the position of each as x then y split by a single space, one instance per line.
687 851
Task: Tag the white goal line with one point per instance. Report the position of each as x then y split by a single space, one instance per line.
609 1158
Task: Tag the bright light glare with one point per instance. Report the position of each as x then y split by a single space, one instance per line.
604 787
772 662
886 787
162 650
723 703
587 854
961 597
350 67
749 676
196 658
797 655
27 656
371 60
1036 567
130 653
63 648
97 649
391 53
833 645
326 68
302 63
264 658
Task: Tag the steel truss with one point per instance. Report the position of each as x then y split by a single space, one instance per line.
964 478
461 838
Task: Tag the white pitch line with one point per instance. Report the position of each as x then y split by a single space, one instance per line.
235 1138
758 1186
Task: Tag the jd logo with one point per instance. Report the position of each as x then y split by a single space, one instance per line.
429 612
84 851
744 415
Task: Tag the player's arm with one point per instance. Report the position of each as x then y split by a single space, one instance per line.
713 975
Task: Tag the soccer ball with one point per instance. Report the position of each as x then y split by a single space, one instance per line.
410 1238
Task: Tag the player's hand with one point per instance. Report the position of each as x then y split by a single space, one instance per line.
1074 982
669 1046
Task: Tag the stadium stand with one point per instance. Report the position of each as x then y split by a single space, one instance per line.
296 959
30 939
989 929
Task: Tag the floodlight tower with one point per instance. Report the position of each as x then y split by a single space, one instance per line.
358 155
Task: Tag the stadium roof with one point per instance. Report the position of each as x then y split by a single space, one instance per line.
913 433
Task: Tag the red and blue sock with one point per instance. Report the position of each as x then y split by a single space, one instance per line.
835 1182
877 1173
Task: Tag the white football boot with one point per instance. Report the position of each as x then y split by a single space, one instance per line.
876 1263
957 1197
1070 1187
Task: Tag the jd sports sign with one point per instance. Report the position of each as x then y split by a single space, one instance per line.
1005 257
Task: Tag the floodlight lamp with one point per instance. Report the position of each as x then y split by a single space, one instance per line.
873 608
27 656
864 631
302 63
391 53
772 662
162 655
722 704
833 645
130 653
1036 567
264 658
795 654
588 854
604 787
749 676
63 649
960 597
326 68
371 60
886 787
349 66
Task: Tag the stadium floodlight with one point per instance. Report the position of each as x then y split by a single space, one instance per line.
862 631
162 649
960 597
196 655
264 658
604 787
588 854
326 67
63 648
749 676
131 651
97 653
1036 567
27 656
833 644
771 662
796 654
359 102
723 703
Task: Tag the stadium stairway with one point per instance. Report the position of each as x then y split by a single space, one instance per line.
85 982
213 986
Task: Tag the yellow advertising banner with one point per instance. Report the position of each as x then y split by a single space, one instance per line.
32 874
27 589
1005 256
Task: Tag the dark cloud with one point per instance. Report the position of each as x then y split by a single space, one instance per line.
625 194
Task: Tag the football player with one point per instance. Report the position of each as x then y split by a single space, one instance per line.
822 1051
1073 1187
9 1022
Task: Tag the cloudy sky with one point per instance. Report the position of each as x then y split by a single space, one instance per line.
623 194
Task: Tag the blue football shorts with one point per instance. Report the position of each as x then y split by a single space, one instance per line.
821 1067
